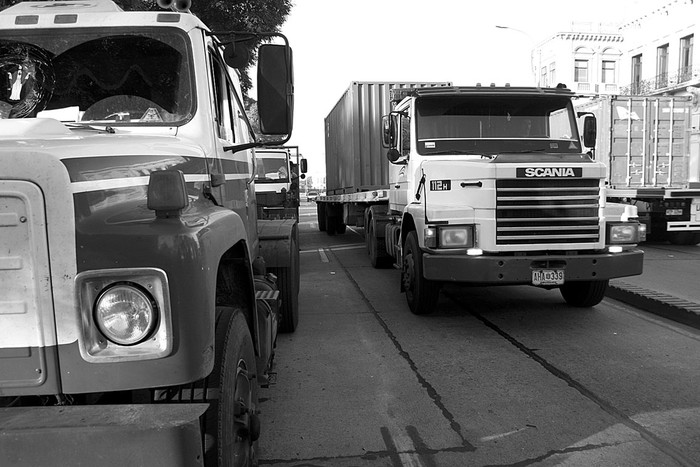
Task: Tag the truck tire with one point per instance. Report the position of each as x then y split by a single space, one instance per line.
584 294
683 238
421 293
321 216
232 420
288 284
378 256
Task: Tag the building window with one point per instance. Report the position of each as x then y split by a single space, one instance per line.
552 73
662 66
581 71
543 77
637 74
608 71
686 64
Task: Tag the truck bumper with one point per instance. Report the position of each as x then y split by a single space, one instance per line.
107 435
518 269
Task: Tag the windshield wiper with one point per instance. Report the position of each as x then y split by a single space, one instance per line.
458 152
89 126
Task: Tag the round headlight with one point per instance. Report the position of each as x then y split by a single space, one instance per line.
125 314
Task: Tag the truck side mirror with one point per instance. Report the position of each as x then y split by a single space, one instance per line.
589 131
393 155
303 166
275 89
388 132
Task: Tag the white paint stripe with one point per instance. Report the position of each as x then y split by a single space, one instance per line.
501 435
356 246
322 254
406 449
98 185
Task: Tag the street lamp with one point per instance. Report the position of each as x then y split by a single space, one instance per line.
533 70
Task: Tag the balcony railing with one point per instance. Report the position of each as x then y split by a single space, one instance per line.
660 82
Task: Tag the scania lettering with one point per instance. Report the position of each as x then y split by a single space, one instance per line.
475 185
138 308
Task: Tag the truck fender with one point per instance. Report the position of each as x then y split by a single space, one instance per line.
276 240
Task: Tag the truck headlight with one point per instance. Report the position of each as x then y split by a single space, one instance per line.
125 314
458 236
627 232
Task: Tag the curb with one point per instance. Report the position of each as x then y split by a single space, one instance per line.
658 303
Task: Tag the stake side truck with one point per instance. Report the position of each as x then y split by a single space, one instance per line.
480 185
138 318
651 146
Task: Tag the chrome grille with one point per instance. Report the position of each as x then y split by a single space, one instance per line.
546 211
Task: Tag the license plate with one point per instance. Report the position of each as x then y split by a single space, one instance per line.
547 277
674 212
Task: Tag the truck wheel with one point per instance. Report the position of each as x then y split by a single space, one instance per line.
684 238
421 293
288 284
321 216
584 294
377 250
233 421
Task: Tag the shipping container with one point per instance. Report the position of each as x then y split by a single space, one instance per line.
355 160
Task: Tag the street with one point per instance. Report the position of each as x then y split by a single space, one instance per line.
497 376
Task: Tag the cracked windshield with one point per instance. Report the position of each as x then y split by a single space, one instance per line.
114 77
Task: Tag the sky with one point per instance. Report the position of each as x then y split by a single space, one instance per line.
336 42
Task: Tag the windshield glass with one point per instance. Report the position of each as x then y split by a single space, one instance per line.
489 124
134 77
271 167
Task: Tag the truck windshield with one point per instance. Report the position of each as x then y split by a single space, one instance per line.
271 167
494 124
115 75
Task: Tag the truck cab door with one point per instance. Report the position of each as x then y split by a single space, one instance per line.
399 170
231 172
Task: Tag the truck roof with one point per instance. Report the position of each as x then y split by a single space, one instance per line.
88 13
399 94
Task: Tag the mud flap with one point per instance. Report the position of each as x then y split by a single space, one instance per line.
105 435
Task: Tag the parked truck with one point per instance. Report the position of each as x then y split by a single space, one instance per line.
278 171
651 147
138 315
475 185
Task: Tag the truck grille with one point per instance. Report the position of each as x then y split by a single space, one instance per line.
547 211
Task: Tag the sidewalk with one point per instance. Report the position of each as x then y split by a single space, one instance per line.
669 285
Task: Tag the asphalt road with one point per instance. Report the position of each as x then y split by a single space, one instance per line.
505 376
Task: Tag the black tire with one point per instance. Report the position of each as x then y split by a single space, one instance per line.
232 420
288 285
584 294
683 238
421 294
321 216
378 256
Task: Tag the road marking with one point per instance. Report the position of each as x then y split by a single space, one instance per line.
322 254
355 246
501 435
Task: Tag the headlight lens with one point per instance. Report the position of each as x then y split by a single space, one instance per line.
125 314
456 237
623 233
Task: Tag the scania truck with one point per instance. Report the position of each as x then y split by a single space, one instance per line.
138 314
478 185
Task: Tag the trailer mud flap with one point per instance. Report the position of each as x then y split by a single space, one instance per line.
104 435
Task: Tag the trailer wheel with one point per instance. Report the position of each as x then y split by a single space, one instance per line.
378 256
584 294
421 293
288 284
321 216
232 418
684 238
